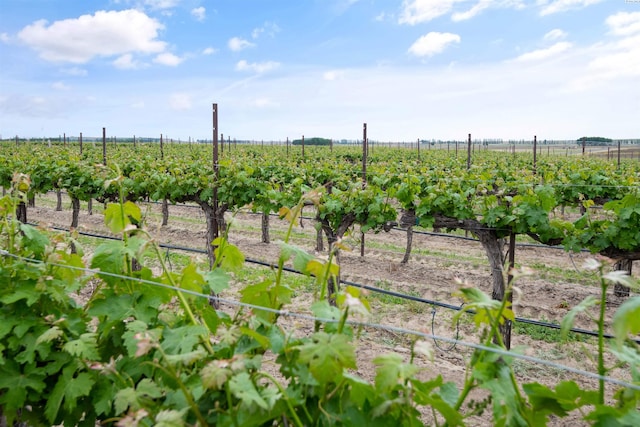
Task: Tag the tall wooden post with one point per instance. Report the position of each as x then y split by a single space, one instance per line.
81 143
364 174
161 148
618 154
535 154
302 146
216 168
104 146
469 153
506 327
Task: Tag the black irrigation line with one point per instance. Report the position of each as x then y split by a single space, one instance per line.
367 287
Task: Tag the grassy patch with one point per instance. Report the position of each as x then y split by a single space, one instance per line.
546 334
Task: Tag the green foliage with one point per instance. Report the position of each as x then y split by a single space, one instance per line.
312 141
594 140
141 351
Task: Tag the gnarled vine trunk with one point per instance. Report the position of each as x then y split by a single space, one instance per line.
59 200
165 212
90 207
265 227
319 240
333 284
620 290
493 248
21 212
215 224
75 211
408 220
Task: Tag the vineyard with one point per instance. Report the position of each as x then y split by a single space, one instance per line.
104 321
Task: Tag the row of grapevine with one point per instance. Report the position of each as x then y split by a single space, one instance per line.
148 349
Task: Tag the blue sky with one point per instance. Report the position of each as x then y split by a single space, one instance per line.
511 69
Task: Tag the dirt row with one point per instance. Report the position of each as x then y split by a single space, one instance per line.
431 273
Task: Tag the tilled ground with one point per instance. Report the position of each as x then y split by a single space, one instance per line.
547 295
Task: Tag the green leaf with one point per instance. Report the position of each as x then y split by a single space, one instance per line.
391 371
323 310
261 339
68 389
626 319
171 418
135 398
244 389
109 257
567 397
567 320
49 335
117 217
328 356
228 256
14 384
301 257
183 339
34 241
215 374
187 358
85 347
359 390
124 398
217 280
191 279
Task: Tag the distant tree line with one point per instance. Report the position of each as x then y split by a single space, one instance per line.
312 141
594 140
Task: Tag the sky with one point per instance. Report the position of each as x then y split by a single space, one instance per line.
410 69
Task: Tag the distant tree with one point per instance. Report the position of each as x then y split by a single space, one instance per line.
312 141
594 140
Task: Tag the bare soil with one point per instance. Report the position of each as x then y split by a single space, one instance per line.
557 285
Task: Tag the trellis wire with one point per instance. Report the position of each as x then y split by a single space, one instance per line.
388 328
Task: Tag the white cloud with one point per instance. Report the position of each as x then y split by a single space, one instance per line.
4 38
180 101
556 6
161 4
545 53
264 103
617 59
199 13
332 75
60 86
555 35
433 43
75 71
624 23
475 9
237 44
209 51
417 11
268 28
126 62
168 59
257 67
102 34
137 105
380 17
